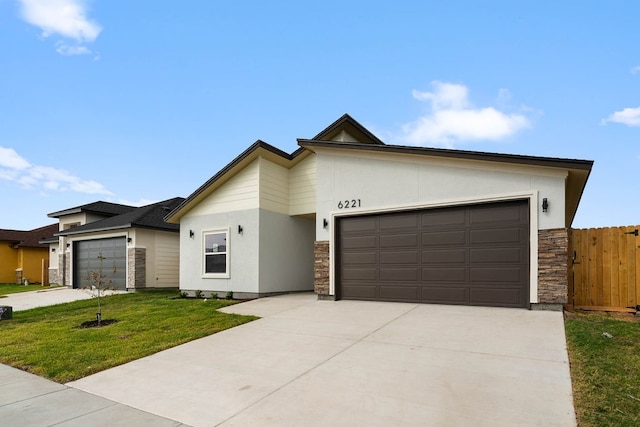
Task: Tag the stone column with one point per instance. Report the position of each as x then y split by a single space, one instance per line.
553 268
137 268
321 269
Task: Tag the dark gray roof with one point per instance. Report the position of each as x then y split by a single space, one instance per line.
149 216
99 207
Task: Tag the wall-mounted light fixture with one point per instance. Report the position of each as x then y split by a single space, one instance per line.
240 229
325 223
68 244
545 205
53 249
191 234
129 239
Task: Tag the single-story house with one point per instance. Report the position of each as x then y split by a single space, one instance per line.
22 256
132 246
354 218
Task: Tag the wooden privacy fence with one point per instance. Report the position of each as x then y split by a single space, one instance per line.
606 268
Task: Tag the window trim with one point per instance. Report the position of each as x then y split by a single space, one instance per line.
203 248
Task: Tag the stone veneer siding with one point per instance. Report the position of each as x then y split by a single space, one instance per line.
553 260
137 268
321 267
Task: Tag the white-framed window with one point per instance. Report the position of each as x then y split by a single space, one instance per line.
216 253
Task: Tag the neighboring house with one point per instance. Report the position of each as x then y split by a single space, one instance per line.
138 249
354 218
22 256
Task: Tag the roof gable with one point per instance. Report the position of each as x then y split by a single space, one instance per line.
347 129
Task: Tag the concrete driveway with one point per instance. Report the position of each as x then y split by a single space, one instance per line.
320 363
47 296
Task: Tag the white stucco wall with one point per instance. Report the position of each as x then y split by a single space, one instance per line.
242 251
377 183
286 252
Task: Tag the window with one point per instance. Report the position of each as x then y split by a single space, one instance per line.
215 253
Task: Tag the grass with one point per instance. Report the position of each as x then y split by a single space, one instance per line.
12 288
605 371
48 341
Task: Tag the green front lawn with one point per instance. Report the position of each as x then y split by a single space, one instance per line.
604 351
11 288
48 341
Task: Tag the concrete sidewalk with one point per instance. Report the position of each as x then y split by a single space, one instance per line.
30 401
47 296
319 363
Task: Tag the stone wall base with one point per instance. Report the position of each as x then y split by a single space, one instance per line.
553 262
321 267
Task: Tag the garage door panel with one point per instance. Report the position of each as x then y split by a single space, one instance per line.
444 256
500 235
400 257
398 241
366 274
499 255
446 295
399 274
352 258
505 212
443 217
443 274
454 237
496 275
360 242
477 255
399 221
496 297
361 224
399 292
367 292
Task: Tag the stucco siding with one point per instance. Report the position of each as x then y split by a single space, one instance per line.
241 192
242 251
302 187
9 257
286 253
373 183
274 187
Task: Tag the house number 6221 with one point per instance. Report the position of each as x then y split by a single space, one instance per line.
346 204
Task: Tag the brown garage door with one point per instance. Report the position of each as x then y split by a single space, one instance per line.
473 255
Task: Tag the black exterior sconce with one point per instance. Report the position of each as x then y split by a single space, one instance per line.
240 229
129 239
545 205
191 234
53 249
325 223
68 244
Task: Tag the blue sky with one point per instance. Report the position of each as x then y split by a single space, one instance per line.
136 102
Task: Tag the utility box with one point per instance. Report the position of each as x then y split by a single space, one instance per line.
6 312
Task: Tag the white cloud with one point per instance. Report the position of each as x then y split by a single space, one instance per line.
12 160
14 167
453 118
139 202
635 70
627 116
63 18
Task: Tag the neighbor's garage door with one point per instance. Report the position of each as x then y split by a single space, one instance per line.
473 255
86 260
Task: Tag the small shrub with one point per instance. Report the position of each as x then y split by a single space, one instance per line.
184 294
230 295
199 294
214 295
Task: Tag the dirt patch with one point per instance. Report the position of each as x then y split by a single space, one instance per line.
95 324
